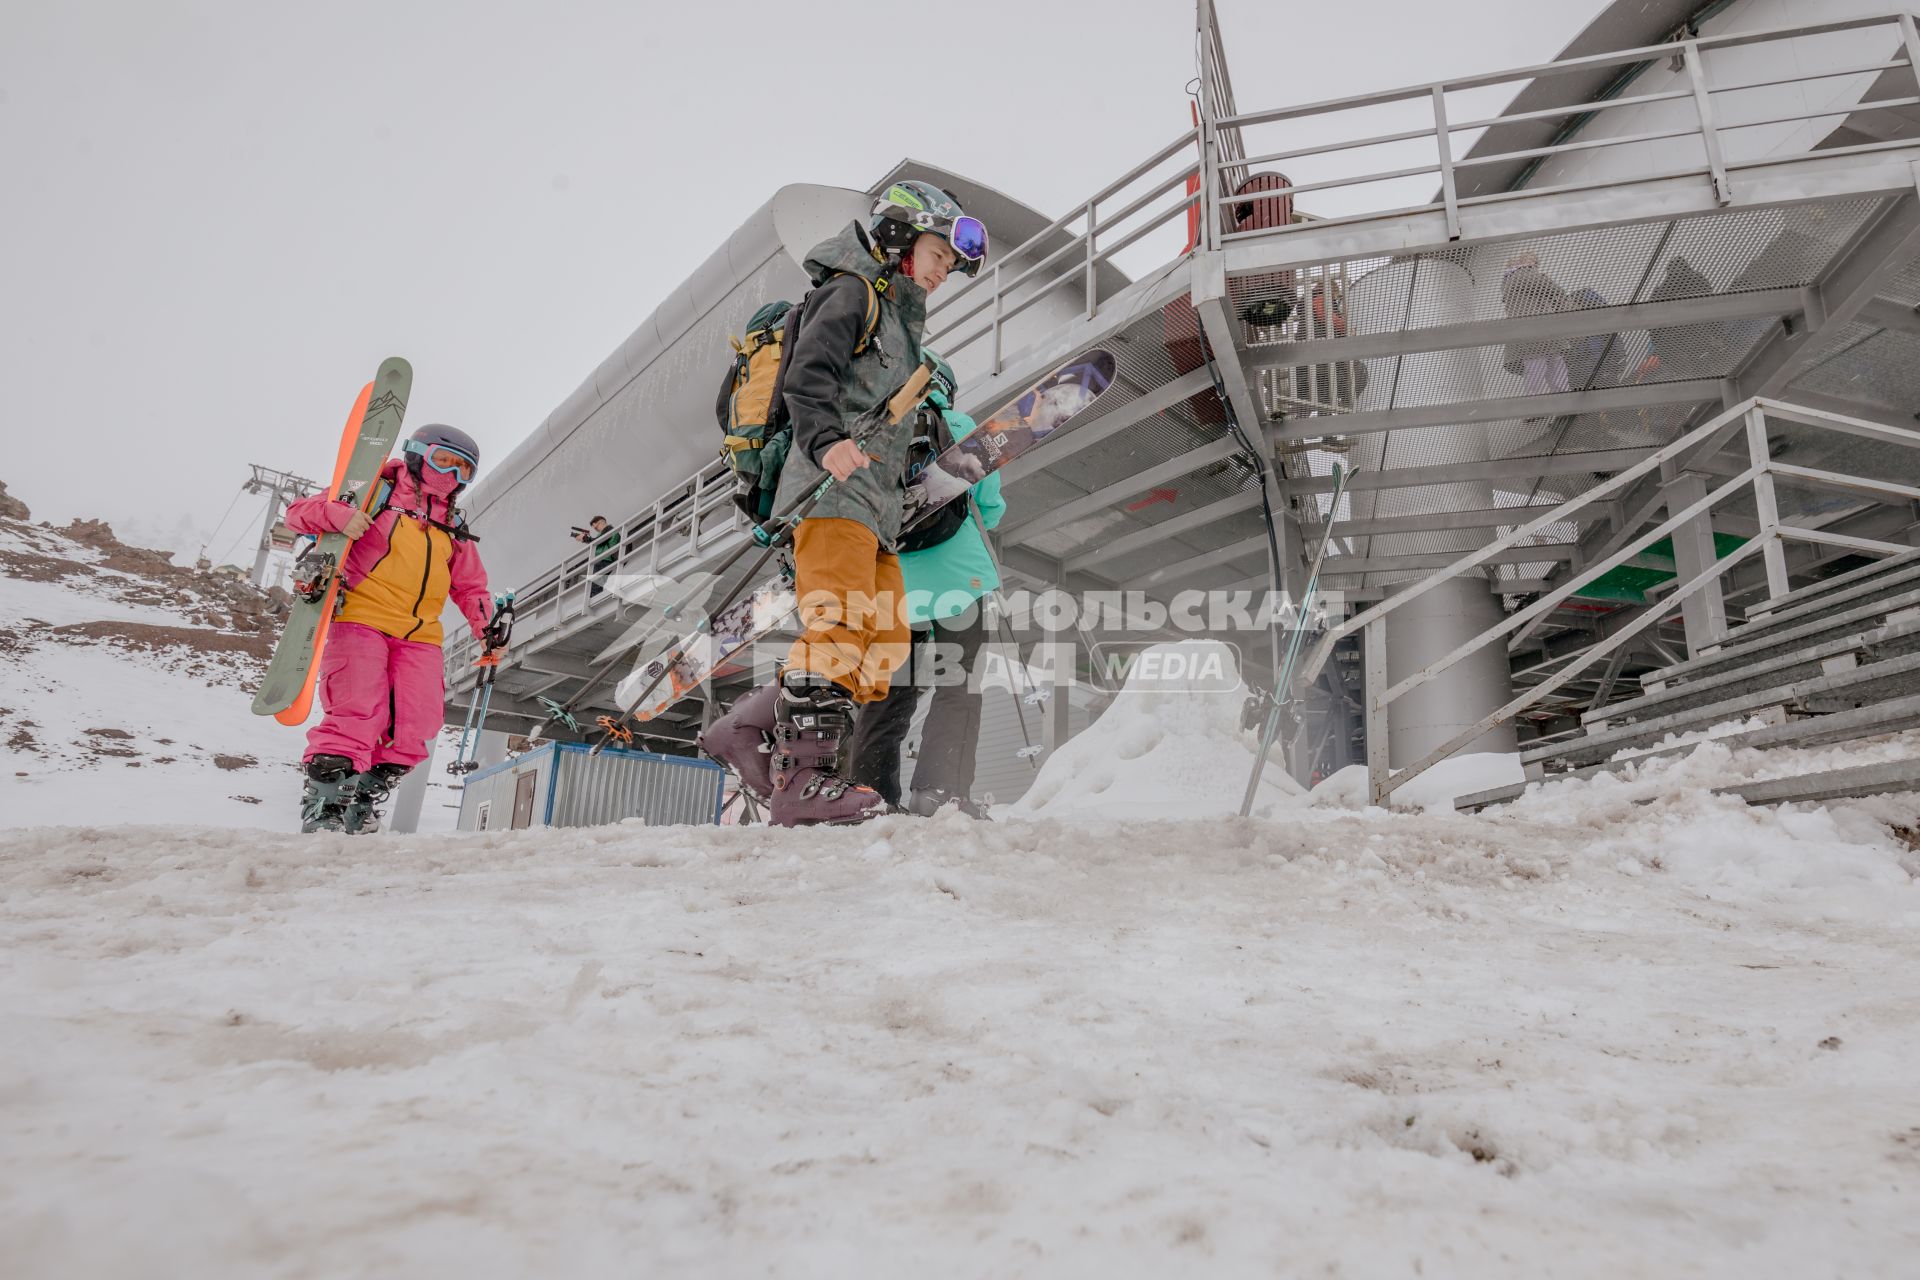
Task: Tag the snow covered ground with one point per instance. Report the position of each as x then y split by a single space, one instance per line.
1618 1028
1343 1044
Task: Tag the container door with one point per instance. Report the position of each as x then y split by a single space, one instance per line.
523 799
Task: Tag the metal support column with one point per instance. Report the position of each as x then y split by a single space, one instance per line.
1055 726
1705 611
1374 646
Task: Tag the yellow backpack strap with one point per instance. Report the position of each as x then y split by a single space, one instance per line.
873 312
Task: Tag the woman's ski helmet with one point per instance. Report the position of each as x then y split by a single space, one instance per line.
443 448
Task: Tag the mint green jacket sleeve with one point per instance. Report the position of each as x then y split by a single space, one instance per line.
942 581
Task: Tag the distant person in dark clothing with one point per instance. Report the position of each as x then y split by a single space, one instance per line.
606 550
1683 350
1595 360
1526 290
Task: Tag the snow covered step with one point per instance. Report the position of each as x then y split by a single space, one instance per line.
1794 599
1756 672
1873 682
1891 716
1860 780
1891 609
1902 576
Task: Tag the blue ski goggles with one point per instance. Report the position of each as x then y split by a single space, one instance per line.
444 458
968 236
966 233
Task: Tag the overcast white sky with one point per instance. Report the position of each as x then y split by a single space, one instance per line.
219 215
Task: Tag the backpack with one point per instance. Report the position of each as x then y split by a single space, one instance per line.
752 409
931 437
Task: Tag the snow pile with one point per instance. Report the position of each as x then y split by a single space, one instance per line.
1435 790
1169 746
1366 1045
1836 861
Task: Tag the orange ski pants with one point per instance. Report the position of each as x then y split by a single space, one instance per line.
852 607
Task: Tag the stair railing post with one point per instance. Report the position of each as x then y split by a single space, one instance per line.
1448 194
1766 504
1709 136
998 299
1093 301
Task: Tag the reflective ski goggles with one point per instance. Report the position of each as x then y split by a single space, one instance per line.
445 458
966 233
968 236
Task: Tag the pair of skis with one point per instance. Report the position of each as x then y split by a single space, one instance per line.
286 693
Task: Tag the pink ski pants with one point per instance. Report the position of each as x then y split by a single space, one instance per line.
384 698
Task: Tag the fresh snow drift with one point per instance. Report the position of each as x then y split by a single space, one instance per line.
1165 748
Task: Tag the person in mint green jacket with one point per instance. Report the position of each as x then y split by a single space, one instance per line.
948 570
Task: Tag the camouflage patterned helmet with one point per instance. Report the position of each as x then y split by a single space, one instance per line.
906 209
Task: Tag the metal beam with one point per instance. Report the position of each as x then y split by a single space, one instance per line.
1559 464
1154 534
1442 521
1713 308
1854 278
1889 314
1136 482
1224 337
1525 215
1504 409
1852 409
1195 564
1542 553
1100 430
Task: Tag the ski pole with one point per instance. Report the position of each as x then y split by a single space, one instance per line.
1283 678
498 631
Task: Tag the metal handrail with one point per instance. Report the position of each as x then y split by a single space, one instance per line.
1221 151
1758 476
700 507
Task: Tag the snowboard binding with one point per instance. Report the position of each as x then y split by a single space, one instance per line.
617 733
313 573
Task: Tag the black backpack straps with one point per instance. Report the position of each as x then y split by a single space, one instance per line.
796 320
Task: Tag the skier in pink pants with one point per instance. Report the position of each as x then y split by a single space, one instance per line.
382 682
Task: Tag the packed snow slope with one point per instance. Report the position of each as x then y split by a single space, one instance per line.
1603 1039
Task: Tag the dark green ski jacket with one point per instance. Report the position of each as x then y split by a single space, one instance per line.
834 395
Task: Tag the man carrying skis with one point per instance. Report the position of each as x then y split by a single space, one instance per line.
947 568
846 573
382 680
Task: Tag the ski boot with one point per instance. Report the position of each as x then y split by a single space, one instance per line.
742 740
812 717
329 789
369 789
928 802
